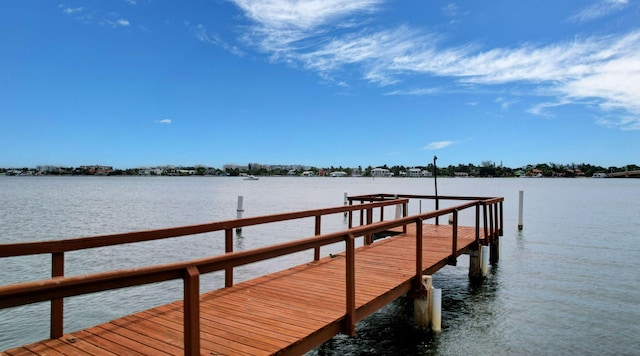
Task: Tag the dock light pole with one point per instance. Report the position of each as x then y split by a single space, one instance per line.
435 183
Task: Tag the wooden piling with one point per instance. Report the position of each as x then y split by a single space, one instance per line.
422 304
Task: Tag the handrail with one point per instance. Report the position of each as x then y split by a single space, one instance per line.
189 271
57 248
54 246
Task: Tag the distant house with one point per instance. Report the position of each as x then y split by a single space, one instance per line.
307 174
461 174
381 172
414 172
338 174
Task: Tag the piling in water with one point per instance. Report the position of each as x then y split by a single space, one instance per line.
520 204
239 211
436 310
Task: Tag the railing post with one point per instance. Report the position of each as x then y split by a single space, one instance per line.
316 251
501 218
419 246
491 226
350 215
405 213
495 240
368 238
191 311
485 225
56 329
350 279
478 223
228 247
453 259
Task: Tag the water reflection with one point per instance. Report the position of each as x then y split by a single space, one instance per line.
468 311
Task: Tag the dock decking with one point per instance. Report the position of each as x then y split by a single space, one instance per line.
288 312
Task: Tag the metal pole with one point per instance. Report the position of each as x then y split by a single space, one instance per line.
435 183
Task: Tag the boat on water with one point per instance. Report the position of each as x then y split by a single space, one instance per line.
251 177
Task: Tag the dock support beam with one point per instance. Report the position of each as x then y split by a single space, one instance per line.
495 250
479 262
421 304
427 306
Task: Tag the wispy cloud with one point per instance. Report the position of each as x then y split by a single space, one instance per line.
627 123
450 10
420 91
438 145
87 16
115 23
163 121
599 8
70 10
79 13
281 26
599 69
200 32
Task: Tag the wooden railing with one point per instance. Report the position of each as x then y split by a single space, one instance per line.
59 287
58 248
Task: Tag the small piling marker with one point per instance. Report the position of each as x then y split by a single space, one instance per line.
239 211
346 202
398 208
436 310
520 200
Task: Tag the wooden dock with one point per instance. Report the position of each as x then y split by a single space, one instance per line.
287 312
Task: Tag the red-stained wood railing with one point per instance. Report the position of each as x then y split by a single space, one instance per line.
58 248
60 287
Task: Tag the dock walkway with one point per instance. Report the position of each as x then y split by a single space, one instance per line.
286 312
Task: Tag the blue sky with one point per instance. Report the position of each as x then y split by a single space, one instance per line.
132 83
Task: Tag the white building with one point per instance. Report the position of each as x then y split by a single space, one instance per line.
381 172
414 172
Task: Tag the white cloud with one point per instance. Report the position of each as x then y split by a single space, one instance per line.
281 26
601 70
163 121
438 145
304 15
70 10
599 8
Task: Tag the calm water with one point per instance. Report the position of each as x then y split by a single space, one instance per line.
569 283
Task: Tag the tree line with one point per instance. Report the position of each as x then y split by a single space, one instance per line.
485 169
